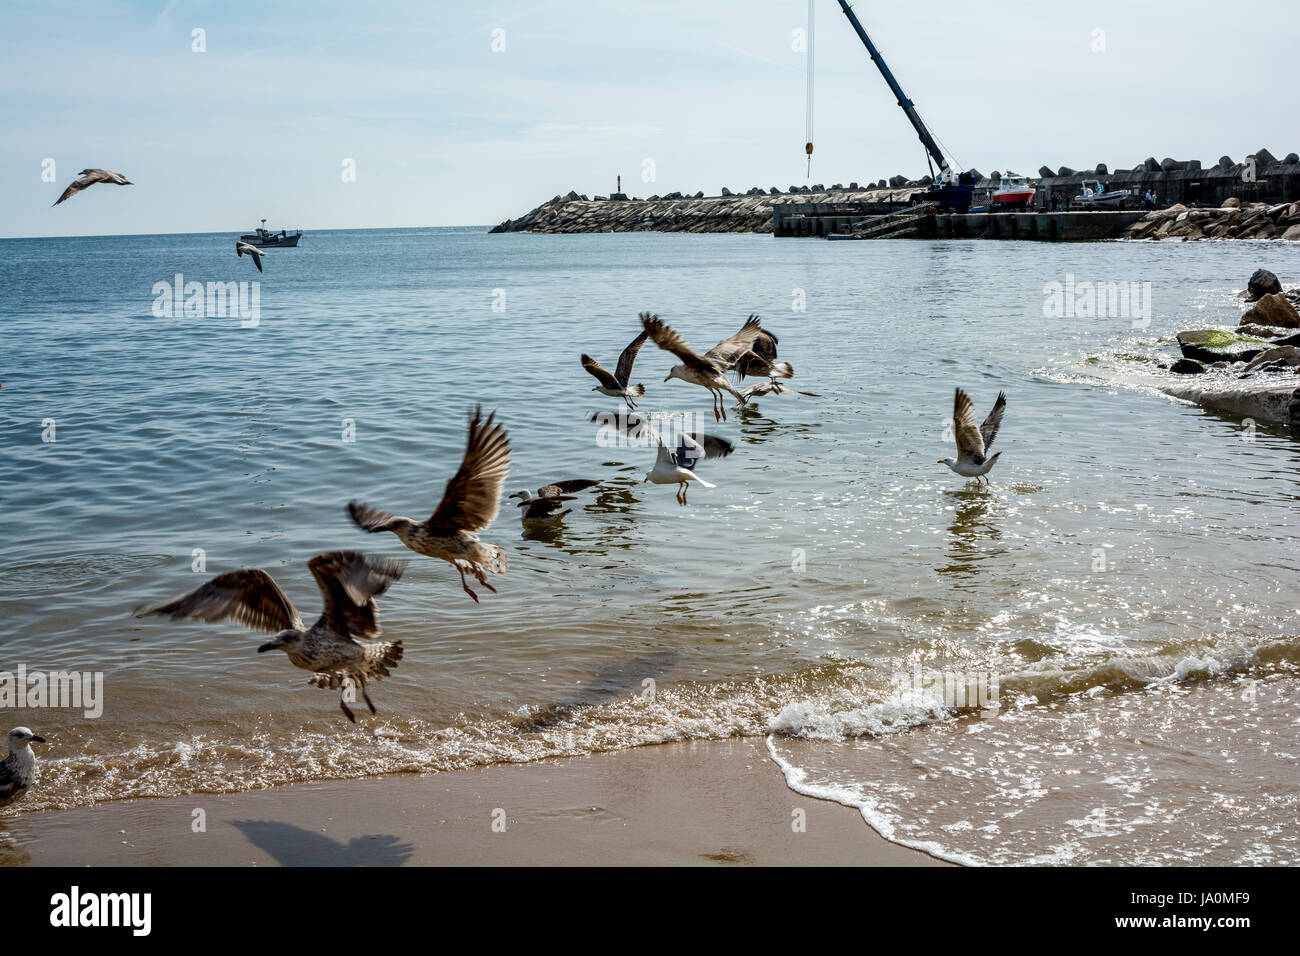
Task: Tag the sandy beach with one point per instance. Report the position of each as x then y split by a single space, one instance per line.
714 802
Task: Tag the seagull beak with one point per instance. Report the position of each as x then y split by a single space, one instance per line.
39 740
667 378
268 647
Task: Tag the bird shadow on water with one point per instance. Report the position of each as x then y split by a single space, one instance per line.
972 530
296 846
623 679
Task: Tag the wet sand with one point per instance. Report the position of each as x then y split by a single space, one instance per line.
708 802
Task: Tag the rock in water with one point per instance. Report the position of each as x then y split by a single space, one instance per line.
1262 283
1212 345
1274 310
1187 367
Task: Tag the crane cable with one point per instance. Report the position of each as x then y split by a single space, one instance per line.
808 145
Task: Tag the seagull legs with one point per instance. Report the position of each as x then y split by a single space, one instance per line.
361 680
468 589
344 705
681 492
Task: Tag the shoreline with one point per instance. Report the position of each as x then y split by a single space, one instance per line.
722 802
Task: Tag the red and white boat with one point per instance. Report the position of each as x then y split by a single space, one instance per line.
1014 193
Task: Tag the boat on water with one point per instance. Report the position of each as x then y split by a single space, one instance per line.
1016 192
265 238
1093 194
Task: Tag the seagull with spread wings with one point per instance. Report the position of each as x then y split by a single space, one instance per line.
349 582
88 178
696 369
616 385
675 465
973 443
242 248
773 387
550 499
751 351
469 504
18 770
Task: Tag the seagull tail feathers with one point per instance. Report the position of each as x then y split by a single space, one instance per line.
782 370
635 391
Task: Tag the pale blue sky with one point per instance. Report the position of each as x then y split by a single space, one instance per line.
446 132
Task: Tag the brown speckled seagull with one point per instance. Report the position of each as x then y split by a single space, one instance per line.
550 499
696 369
751 351
349 582
617 385
88 178
469 504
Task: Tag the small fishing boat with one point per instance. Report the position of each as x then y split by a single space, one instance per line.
1093 194
264 238
1014 193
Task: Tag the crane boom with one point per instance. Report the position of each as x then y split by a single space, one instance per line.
907 106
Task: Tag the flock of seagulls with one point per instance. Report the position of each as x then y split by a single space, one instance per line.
341 649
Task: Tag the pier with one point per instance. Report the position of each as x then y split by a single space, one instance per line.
867 221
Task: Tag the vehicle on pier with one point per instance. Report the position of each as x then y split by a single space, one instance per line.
1092 193
1016 192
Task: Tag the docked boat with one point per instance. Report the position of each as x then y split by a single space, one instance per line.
1014 193
265 238
1093 194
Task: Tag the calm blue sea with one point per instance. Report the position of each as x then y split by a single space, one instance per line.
1126 581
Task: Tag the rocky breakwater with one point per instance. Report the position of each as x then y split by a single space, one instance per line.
1233 220
750 211
1252 370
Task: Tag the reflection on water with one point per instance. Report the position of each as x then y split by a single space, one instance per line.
972 531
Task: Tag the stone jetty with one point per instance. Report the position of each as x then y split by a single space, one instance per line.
1262 188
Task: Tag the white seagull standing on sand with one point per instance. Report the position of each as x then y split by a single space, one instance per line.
550 499
18 770
256 253
616 385
91 176
973 443
696 369
469 504
349 582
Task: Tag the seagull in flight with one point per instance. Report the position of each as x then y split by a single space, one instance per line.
751 351
696 369
469 504
773 387
675 466
550 499
18 770
973 443
242 247
616 385
349 582
88 178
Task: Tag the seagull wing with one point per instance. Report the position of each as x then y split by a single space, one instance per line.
670 341
714 446
729 350
349 581
544 507
989 430
473 494
687 452
970 443
10 783
88 178
556 488
248 596
598 370
625 360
